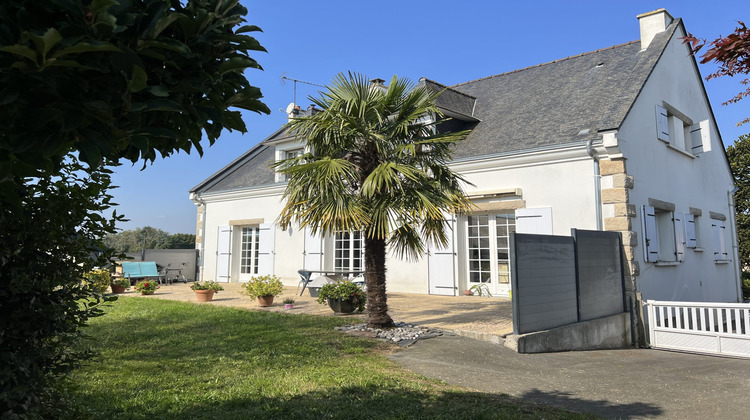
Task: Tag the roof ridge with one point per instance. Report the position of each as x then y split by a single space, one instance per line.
449 87
549 62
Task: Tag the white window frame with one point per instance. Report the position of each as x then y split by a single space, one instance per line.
342 245
281 153
249 250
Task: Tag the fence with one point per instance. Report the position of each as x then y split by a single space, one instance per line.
712 328
562 280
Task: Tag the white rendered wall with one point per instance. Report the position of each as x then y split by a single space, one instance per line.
665 174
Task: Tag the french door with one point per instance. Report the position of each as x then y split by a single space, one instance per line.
488 245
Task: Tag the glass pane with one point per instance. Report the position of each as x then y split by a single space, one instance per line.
503 279
484 231
484 254
473 243
503 268
484 220
502 230
502 255
473 265
474 277
484 243
502 242
485 266
474 254
486 278
473 231
472 220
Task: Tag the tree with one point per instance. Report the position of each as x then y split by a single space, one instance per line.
148 237
84 84
739 159
732 53
374 163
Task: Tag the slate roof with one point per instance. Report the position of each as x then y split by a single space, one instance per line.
561 102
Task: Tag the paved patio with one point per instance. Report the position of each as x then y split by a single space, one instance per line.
474 316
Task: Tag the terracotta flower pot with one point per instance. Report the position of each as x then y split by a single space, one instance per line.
265 301
204 295
117 289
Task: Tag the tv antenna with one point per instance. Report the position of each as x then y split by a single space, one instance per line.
295 81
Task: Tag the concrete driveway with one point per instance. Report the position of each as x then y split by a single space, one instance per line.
628 383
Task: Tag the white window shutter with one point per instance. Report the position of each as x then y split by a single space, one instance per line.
223 253
313 254
696 138
691 238
266 244
650 235
662 123
534 220
679 235
720 248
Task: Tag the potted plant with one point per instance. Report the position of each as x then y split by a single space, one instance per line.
120 285
481 289
263 288
205 291
288 303
146 287
343 296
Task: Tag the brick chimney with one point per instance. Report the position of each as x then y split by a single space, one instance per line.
652 23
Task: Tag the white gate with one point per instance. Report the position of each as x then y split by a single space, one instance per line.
701 327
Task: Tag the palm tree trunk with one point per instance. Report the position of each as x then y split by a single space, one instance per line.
377 308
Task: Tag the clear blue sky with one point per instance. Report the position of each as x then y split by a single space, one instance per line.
446 41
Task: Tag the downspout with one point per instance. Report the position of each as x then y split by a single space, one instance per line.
203 234
735 247
597 184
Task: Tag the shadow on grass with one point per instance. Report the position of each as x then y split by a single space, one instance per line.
351 403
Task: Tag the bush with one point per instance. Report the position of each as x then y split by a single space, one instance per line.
344 290
97 280
267 285
209 285
147 287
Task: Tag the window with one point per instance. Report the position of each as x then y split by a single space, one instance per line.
664 234
348 252
289 154
250 241
489 250
680 132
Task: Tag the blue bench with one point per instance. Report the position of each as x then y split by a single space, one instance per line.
141 270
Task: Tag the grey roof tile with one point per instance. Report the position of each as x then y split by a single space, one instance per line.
561 102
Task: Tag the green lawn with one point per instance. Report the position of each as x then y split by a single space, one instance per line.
174 360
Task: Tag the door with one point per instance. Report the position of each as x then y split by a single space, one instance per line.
440 264
488 245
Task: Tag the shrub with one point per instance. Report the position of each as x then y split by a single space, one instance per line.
147 287
209 285
97 280
267 285
344 290
124 283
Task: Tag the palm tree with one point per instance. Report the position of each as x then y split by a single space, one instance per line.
374 163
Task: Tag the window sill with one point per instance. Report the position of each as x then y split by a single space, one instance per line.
667 263
722 261
677 149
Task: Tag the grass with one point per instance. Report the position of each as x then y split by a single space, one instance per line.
175 360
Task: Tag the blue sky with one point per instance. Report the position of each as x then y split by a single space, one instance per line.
446 41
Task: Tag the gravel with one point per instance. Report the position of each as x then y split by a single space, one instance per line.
402 333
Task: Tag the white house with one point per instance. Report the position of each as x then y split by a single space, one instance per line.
619 139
